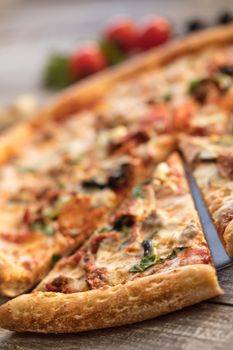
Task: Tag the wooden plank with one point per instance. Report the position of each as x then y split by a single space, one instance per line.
225 279
206 325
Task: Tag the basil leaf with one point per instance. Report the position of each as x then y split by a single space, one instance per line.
126 231
154 233
25 169
145 263
151 260
48 230
226 140
167 96
138 192
76 160
53 212
193 86
55 259
103 230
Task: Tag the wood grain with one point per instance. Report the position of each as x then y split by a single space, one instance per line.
206 325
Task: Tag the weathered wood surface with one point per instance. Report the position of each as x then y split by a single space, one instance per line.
28 30
205 325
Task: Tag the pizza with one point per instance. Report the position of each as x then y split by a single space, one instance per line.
96 212
212 163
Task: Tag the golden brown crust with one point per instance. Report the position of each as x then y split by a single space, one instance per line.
11 140
228 238
134 301
15 280
88 92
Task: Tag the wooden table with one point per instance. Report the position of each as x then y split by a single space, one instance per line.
207 326
28 30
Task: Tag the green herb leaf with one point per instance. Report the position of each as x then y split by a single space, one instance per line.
154 233
145 263
25 169
57 74
76 160
152 260
62 185
112 52
226 140
138 192
194 86
126 231
53 212
39 227
55 259
224 81
167 96
103 230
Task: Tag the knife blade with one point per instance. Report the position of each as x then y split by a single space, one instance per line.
220 258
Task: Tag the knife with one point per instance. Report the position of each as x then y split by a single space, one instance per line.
220 258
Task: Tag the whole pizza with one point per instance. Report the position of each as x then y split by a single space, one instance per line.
98 227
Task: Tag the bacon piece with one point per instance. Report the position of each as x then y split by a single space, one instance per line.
128 143
95 277
26 219
96 240
60 284
77 216
225 219
159 118
225 164
20 237
122 178
72 260
200 255
182 115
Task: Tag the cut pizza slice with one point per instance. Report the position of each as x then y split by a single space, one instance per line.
150 258
46 207
212 163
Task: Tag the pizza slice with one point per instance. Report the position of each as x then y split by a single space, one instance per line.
148 259
53 185
212 163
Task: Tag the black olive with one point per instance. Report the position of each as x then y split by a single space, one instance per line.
147 246
225 17
203 88
226 69
124 221
138 137
121 178
194 25
93 184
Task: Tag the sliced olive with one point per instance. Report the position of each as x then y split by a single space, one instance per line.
93 184
121 178
225 17
226 69
124 221
195 25
202 89
147 246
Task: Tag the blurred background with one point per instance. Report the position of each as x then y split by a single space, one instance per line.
31 29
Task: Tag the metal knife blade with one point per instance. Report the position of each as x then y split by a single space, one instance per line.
220 258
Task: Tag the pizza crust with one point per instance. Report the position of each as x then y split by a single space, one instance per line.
144 298
228 238
87 93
